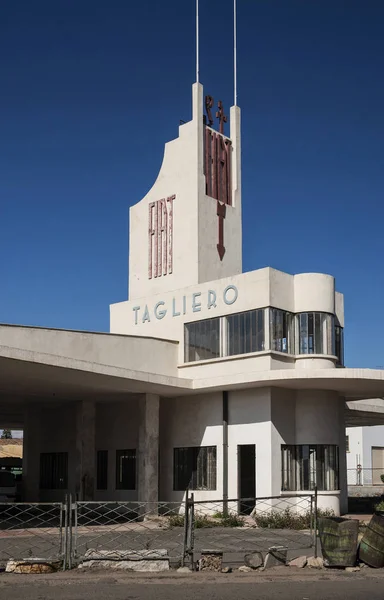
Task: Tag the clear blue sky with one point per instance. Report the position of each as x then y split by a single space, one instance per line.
91 90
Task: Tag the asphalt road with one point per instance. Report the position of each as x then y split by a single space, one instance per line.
275 586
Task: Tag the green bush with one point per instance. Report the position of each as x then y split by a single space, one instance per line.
176 521
380 506
201 520
288 519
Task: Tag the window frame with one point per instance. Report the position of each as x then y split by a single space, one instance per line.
287 327
307 466
189 470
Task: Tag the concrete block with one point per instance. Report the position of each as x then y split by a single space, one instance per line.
32 565
315 563
152 561
254 560
300 562
276 557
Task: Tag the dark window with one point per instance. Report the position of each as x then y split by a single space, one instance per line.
125 469
308 466
245 332
282 331
194 468
102 469
339 345
347 443
202 340
54 471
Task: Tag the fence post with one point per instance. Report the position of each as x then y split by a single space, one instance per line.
191 528
186 520
70 532
315 523
65 549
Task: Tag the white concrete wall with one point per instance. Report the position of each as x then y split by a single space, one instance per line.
195 224
164 315
356 452
184 422
117 428
134 352
372 436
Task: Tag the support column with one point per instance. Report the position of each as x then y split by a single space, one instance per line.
148 458
85 450
31 453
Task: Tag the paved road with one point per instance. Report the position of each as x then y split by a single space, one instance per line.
306 585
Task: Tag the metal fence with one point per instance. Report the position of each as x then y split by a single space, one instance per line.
35 530
360 476
242 526
176 533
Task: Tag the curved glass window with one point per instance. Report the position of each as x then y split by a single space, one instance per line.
316 333
339 345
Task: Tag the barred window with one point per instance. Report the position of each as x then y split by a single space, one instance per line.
54 470
282 331
194 468
125 469
308 466
202 340
102 470
245 332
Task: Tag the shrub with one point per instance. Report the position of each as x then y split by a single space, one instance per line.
176 521
288 519
380 506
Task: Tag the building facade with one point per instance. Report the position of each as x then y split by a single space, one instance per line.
227 383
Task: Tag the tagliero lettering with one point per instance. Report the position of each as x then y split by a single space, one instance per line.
182 306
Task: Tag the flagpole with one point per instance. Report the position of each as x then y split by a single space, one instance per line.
235 51
197 42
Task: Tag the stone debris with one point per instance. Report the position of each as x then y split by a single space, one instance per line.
226 570
276 557
300 562
184 570
315 563
210 561
151 561
32 565
352 569
245 569
254 560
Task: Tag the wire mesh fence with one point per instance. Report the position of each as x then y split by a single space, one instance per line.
134 530
36 530
241 526
176 533
362 476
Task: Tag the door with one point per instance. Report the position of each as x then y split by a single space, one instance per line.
377 465
246 464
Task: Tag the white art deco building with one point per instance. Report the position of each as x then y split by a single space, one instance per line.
229 383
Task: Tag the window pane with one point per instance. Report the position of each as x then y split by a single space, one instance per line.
102 470
245 332
281 331
125 469
316 333
202 340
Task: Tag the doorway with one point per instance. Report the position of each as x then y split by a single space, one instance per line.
246 464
